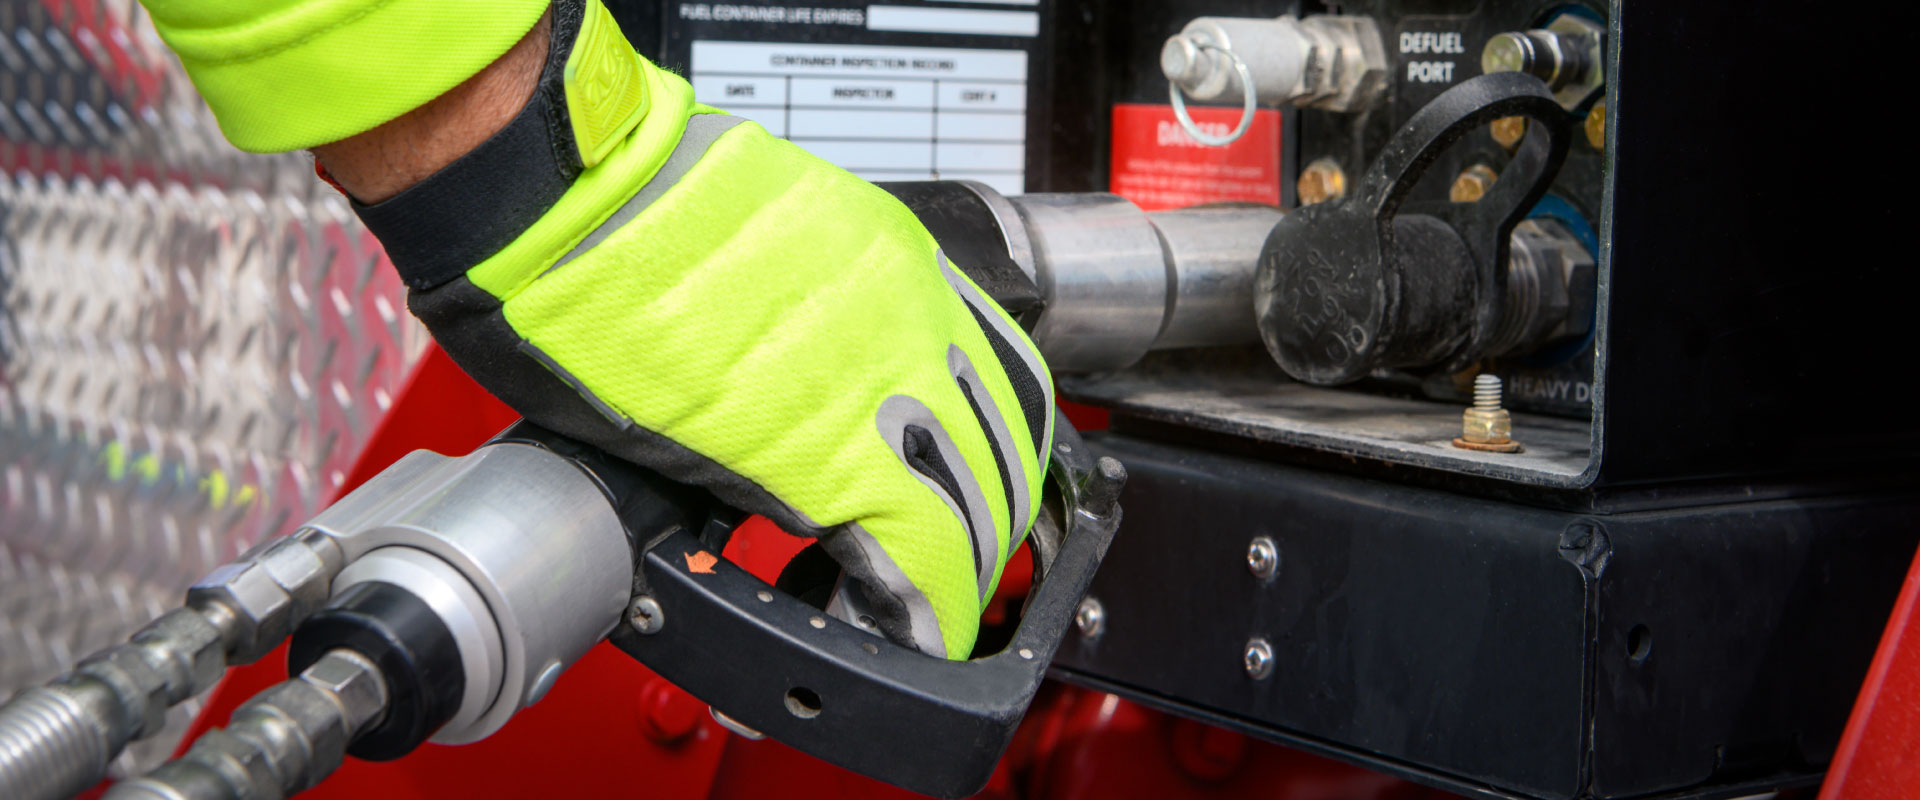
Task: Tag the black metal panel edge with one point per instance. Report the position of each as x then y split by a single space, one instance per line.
1402 769
1749 294
1320 747
1479 643
849 697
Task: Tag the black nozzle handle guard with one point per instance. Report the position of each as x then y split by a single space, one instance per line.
846 696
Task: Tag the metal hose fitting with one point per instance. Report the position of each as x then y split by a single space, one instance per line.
52 742
58 739
283 741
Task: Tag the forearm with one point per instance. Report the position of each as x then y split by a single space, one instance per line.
380 163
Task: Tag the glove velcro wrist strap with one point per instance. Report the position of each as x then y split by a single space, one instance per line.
437 229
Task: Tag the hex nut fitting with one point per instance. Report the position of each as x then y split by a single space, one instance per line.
268 593
1486 426
141 687
262 609
1550 291
355 681
307 708
236 762
189 646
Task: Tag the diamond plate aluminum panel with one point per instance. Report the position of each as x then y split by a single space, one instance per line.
194 342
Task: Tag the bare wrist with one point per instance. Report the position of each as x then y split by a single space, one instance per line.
382 162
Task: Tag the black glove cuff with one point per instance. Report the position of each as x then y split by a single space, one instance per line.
460 216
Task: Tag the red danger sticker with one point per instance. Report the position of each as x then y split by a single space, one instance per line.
1158 166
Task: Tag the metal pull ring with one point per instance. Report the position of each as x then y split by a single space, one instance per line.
1246 112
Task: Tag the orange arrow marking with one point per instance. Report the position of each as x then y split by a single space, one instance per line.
701 562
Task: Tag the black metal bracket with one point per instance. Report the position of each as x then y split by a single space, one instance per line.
790 671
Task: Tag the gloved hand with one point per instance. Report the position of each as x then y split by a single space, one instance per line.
675 286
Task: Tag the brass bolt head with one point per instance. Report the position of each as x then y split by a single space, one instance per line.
1487 429
1596 126
1486 425
1472 184
1321 181
1508 131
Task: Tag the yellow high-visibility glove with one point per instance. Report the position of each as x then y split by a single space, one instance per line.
675 286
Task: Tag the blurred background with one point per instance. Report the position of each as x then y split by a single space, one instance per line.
194 341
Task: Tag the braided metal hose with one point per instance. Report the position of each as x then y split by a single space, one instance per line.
283 741
57 740
51 743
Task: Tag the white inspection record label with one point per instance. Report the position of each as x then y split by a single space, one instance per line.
882 112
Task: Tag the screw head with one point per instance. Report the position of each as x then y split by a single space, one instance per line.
645 615
1263 557
1090 618
1257 658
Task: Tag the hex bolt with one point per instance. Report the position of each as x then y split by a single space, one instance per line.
1103 491
645 615
1322 181
1509 52
1257 658
1486 426
1558 57
1090 618
1472 184
1263 557
1508 131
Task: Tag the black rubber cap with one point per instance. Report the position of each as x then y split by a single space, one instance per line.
415 652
